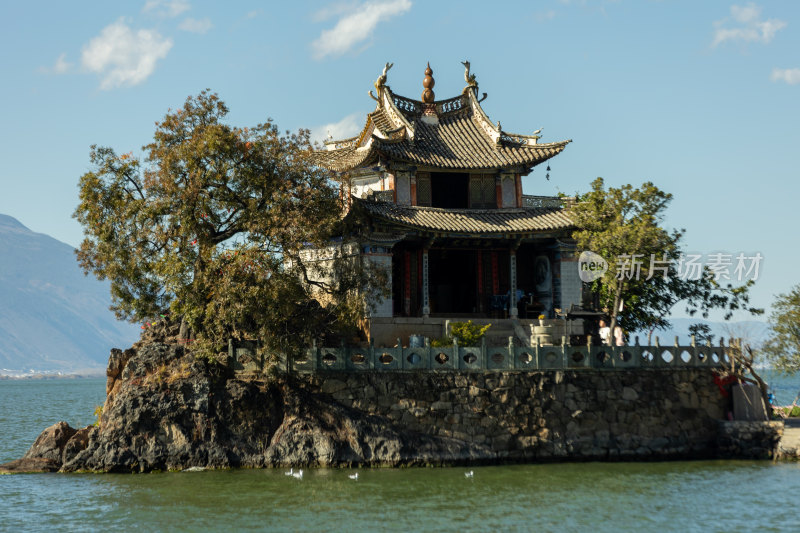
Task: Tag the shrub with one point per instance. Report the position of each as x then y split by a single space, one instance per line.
467 333
787 411
442 342
98 412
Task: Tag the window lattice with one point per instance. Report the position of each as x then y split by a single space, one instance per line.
482 191
423 190
475 190
489 191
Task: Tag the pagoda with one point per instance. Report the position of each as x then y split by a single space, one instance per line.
441 187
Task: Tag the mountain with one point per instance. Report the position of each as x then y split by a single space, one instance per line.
753 331
52 317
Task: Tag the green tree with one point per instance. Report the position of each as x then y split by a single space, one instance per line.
641 286
701 332
783 347
212 224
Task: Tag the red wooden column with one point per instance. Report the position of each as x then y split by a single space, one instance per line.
393 187
480 282
407 283
495 278
512 298
426 304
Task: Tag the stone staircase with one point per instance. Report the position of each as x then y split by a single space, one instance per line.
499 333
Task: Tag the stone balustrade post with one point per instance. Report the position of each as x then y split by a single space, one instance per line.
513 312
426 306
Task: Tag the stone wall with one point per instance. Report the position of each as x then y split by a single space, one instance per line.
544 415
749 440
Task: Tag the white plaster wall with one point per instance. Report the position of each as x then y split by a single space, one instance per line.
383 308
319 261
362 185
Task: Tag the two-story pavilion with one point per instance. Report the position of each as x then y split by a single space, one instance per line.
441 186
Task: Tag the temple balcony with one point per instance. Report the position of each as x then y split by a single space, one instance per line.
529 201
544 202
510 357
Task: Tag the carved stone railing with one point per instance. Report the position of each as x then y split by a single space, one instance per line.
451 104
486 359
483 358
511 138
338 145
544 201
406 104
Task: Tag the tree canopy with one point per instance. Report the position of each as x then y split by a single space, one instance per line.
783 347
211 224
642 284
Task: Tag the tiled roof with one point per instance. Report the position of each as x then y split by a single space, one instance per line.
492 221
461 137
383 122
458 142
345 159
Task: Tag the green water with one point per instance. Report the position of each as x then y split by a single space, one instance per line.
674 496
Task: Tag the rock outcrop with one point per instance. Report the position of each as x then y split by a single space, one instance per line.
167 410
56 445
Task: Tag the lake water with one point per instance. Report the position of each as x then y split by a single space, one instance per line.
669 496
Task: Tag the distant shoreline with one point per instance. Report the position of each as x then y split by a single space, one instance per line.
77 374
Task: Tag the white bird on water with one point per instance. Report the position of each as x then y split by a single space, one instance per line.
290 472
353 476
298 475
469 474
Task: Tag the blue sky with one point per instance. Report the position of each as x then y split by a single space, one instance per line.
702 98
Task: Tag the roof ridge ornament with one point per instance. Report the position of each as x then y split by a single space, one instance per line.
428 82
472 82
381 81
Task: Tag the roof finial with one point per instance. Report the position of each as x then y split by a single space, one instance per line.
381 81
469 78
427 95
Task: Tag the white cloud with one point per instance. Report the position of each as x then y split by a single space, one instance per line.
746 14
61 66
252 14
166 8
788 75
334 10
356 26
744 24
349 126
196 25
123 57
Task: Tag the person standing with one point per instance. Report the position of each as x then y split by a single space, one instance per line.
605 333
619 336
